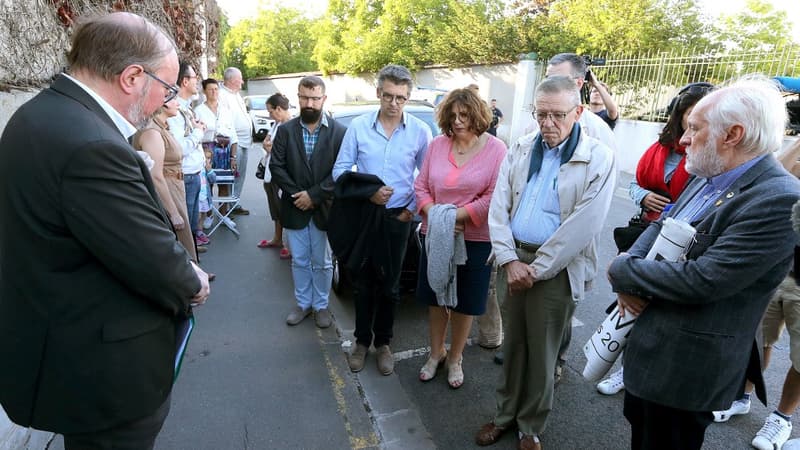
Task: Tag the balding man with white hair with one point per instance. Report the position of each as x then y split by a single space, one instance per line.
230 98
694 342
94 283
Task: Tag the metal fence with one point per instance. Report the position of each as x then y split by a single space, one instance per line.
644 85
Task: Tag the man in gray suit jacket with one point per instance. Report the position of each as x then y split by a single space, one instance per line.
693 344
303 153
94 282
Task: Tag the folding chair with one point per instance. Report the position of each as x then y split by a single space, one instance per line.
226 177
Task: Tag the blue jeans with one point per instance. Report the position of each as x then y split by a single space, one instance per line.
241 167
192 184
312 266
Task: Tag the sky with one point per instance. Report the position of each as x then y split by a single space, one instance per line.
239 9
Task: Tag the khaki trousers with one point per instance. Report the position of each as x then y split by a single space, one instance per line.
534 327
490 324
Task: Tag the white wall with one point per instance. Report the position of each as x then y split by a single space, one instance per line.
9 102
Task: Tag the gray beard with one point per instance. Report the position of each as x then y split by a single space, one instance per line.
705 163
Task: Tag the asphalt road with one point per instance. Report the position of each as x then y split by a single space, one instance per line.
251 382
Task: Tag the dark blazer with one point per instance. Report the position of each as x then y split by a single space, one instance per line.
293 172
355 226
692 345
92 278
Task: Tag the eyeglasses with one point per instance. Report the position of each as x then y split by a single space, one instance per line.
559 117
305 98
389 98
172 91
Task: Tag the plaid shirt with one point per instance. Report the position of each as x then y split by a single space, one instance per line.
310 138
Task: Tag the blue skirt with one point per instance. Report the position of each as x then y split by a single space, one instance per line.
472 280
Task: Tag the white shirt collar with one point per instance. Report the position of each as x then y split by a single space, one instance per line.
126 128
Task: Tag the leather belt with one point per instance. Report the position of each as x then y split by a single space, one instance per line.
526 246
177 176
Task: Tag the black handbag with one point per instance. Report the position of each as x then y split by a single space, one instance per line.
625 237
260 170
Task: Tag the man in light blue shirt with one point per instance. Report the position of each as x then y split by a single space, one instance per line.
391 145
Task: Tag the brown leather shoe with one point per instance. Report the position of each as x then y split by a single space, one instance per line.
385 360
529 442
489 434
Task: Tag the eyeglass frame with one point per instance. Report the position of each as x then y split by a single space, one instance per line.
389 98
555 117
171 89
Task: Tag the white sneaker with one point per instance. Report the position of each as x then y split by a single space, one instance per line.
737 407
208 222
612 384
773 434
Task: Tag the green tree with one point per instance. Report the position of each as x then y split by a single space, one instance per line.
274 42
758 26
363 35
614 26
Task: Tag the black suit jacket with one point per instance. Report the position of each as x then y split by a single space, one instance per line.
694 344
92 279
294 172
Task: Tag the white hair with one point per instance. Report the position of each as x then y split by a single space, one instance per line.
755 103
230 73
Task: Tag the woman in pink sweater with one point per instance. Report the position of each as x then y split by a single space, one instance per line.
460 169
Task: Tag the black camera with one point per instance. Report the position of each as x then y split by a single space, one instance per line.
592 62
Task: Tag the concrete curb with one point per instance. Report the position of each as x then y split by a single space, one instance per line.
396 421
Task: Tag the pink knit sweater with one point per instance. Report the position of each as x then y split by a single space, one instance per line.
440 181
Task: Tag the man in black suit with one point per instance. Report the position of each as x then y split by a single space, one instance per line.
93 279
693 344
303 153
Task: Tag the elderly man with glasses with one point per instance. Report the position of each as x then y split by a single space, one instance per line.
390 144
550 202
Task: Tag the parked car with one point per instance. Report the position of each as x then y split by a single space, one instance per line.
257 108
345 113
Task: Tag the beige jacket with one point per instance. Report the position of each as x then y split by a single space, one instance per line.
585 187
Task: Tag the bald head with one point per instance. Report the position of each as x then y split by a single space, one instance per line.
124 59
105 45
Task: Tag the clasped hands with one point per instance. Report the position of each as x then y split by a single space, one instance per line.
520 276
628 302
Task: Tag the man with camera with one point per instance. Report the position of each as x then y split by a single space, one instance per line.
576 67
600 101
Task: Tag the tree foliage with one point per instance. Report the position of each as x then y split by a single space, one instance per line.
359 35
617 26
758 26
274 42
363 35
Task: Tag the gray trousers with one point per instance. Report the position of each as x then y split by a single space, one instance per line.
241 166
534 327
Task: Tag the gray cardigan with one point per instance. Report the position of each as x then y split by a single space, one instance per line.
445 250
